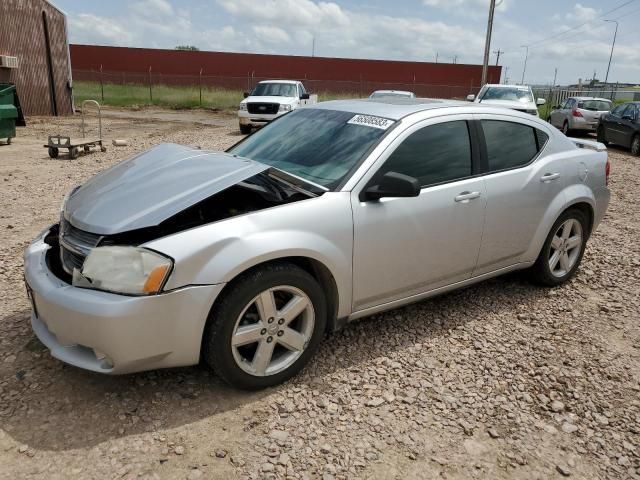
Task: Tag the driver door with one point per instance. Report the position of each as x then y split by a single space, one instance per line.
407 246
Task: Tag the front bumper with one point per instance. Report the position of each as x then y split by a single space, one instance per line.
110 333
246 118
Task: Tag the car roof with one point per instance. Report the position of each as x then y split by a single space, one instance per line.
279 81
590 98
502 85
391 91
393 108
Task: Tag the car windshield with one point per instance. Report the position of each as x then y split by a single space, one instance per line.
595 105
320 146
275 90
514 94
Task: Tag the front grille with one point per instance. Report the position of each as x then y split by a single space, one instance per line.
264 108
75 245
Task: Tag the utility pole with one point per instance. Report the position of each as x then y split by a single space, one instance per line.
313 47
526 57
555 76
498 53
436 57
455 59
506 70
615 34
487 43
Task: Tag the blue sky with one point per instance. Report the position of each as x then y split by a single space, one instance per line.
398 30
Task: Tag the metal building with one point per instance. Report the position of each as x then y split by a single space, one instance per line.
34 54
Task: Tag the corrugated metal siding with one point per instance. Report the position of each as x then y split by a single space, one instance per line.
22 35
239 65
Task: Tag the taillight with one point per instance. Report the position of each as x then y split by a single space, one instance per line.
607 171
576 113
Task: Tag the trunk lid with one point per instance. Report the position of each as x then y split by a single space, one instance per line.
153 186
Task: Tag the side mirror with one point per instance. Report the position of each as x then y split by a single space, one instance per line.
304 96
471 97
541 101
392 184
246 94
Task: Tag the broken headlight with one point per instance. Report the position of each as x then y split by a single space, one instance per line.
127 270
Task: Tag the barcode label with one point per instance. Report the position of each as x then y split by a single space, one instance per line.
371 121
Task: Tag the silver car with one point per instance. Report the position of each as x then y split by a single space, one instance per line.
245 259
579 114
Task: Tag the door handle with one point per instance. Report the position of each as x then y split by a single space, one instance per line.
549 177
464 197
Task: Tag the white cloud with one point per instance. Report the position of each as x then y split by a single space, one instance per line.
89 28
271 34
462 6
582 14
296 13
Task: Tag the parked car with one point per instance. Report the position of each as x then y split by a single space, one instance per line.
245 259
269 100
579 114
516 97
392 93
622 127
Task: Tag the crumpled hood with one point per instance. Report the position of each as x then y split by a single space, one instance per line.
514 104
153 186
284 100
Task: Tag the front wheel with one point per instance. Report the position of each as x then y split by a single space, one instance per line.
635 145
245 129
562 251
266 326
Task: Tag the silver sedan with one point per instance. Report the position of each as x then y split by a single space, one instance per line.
245 259
579 114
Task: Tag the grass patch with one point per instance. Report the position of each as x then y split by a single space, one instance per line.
170 96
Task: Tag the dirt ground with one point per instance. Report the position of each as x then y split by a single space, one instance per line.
501 380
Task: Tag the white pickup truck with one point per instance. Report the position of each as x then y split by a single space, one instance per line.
269 100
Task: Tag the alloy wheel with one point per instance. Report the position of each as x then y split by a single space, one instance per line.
565 247
273 330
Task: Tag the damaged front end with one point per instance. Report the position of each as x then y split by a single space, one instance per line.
161 192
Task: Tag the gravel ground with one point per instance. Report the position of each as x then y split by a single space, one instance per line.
501 380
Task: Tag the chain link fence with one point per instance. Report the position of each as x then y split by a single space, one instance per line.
124 88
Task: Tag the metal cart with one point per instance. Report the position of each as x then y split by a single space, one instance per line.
56 142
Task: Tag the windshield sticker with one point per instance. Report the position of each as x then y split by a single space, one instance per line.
371 121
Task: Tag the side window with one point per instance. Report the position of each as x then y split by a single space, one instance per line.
509 144
618 110
630 111
568 104
434 154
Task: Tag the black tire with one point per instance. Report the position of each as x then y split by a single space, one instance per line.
216 342
601 136
103 148
540 273
635 145
87 149
74 152
245 129
9 141
565 129
53 152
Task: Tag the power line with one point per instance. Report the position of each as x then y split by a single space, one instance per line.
553 37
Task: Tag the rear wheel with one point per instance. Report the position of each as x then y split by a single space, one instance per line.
562 251
565 128
245 129
266 326
602 136
635 145
53 152
74 152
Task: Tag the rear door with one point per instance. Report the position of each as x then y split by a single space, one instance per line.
559 116
521 182
613 125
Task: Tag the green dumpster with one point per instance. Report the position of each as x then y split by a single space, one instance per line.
8 112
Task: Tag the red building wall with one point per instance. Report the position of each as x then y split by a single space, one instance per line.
332 73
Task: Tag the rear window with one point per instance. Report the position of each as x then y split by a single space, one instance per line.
595 105
511 145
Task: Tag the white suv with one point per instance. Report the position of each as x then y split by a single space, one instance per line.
516 97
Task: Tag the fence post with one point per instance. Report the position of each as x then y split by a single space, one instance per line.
150 92
101 85
200 86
